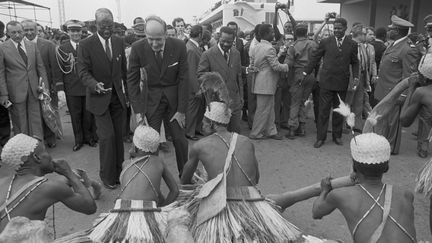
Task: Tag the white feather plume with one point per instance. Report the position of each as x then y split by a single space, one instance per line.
345 111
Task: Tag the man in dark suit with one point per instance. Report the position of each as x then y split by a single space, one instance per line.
5 126
165 94
101 68
83 123
196 106
225 60
397 63
21 67
47 51
338 53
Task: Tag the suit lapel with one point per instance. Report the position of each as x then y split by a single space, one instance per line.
167 56
220 58
99 48
31 55
16 53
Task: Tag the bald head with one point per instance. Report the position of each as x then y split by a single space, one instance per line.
104 22
156 32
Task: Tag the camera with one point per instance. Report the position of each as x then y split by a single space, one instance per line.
332 15
281 5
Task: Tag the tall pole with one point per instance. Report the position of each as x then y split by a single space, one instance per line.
61 9
119 19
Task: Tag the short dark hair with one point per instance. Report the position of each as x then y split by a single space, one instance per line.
232 23
196 31
301 32
371 170
357 30
256 31
206 35
209 27
265 29
136 19
227 30
370 28
2 28
178 20
381 33
341 21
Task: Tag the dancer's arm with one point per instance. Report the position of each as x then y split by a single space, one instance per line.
411 107
191 166
325 203
172 185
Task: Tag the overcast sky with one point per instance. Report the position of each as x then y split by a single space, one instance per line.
167 9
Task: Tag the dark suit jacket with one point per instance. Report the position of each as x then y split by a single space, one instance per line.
15 76
335 71
380 48
193 57
397 63
93 67
169 79
48 54
71 82
213 60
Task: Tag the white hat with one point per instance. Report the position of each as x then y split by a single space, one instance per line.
218 112
146 138
18 146
425 66
370 148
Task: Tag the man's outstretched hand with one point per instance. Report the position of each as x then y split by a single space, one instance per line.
180 118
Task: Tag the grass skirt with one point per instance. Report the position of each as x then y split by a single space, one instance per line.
248 217
130 221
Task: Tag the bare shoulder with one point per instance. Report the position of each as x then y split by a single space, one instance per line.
157 162
56 186
343 194
403 194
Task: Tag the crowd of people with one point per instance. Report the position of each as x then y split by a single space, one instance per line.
185 82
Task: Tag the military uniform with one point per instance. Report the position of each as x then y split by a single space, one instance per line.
298 57
398 62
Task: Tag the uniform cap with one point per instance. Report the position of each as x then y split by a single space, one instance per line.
302 25
146 139
18 146
425 66
139 29
74 24
400 23
428 20
370 148
218 112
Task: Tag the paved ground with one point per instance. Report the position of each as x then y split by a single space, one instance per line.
284 165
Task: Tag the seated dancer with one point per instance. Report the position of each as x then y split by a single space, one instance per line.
136 216
24 189
229 207
374 211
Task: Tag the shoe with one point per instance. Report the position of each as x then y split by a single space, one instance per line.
51 145
256 138
337 141
301 132
108 186
284 127
127 139
356 130
92 143
276 137
193 138
318 143
291 133
422 153
77 147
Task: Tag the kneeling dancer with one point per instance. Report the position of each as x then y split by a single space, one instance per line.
229 208
137 215
374 211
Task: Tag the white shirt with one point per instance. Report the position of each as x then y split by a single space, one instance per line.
337 41
223 52
194 42
397 41
74 44
34 40
102 40
22 45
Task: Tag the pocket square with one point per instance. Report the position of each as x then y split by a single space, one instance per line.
172 65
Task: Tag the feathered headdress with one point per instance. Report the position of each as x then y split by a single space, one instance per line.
345 111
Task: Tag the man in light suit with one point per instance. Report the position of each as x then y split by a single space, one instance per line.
101 68
21 67
47 51
196 106
266 79
165 94
225 60
398 62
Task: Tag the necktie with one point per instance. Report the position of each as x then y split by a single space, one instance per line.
339 43
158 56
22 54
226 56
107 50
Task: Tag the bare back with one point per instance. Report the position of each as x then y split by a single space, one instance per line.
354 203
212 152
140 186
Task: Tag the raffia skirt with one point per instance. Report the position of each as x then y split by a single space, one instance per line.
248 217
130 221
